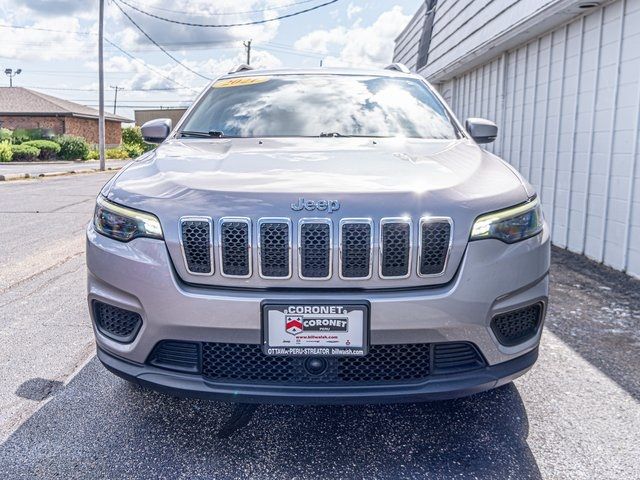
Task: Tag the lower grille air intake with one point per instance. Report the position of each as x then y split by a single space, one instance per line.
275 249
175 355
197 245
116 323
235 243
355 249
517 326
435 237
396 248
315 250
455 357
238 363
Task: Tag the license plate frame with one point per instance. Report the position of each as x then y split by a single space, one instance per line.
301 344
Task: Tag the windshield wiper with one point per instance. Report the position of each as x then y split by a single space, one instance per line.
209 134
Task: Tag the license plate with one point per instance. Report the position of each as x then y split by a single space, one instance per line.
315 329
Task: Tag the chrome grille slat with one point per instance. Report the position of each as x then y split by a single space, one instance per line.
395 247
196 242
315 248
434 243
235 247
274 248
356 248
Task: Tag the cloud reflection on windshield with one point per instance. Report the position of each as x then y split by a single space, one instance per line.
305 105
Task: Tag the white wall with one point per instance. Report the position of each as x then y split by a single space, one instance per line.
567 104
406 45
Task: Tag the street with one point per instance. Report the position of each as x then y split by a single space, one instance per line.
576 414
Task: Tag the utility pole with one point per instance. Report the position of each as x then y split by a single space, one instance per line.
115 98
248 47
101 85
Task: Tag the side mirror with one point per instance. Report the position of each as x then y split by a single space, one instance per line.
481 130
155 131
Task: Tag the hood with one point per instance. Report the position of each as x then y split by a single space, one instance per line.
205 175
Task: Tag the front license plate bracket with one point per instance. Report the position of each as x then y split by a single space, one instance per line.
323 329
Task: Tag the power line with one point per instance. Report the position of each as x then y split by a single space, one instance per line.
124 52
136 59
266 9
69 89
26 27
221 25
117 4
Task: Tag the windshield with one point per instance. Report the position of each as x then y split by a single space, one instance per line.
320 105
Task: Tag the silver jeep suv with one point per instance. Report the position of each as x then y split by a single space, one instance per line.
318 236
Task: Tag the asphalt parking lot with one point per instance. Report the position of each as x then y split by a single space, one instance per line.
575 415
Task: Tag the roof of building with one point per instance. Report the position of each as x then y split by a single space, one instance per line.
24 102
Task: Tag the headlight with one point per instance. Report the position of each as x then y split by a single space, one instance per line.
124 224
510 225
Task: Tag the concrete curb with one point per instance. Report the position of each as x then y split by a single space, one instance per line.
23 176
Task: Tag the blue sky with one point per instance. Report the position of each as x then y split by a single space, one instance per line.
57 49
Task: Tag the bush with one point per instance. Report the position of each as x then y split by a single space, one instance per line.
72 148
132 136
6 154
116 153
6 135
48 149
133 151
25 153
93 155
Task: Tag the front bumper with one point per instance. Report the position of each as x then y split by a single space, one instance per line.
493 278
436 388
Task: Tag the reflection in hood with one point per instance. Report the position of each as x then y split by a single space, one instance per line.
453 170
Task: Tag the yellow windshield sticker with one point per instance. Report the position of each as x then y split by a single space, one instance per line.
238 82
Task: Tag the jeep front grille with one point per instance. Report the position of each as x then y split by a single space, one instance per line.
395 248
274 247
356 248
356 256
197 244
235 245
315 249
434 242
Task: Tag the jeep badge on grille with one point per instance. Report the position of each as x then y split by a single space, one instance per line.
329 206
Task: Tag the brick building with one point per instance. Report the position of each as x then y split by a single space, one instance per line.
24 108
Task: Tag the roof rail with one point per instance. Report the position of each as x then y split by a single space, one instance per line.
240 68
398 67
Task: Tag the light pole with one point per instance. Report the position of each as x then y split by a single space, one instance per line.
10 73
101 86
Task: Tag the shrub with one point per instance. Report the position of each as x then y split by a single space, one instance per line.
133 151
20 135
133 136
5 152
93 155
6 135
48 149
116 153
25 153
72 148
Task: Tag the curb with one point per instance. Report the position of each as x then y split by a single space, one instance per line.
23 176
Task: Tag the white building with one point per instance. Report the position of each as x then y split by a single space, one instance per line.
561 78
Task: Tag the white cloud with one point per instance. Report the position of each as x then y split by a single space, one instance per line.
35 44
353 10
141 77
359 45
175 36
